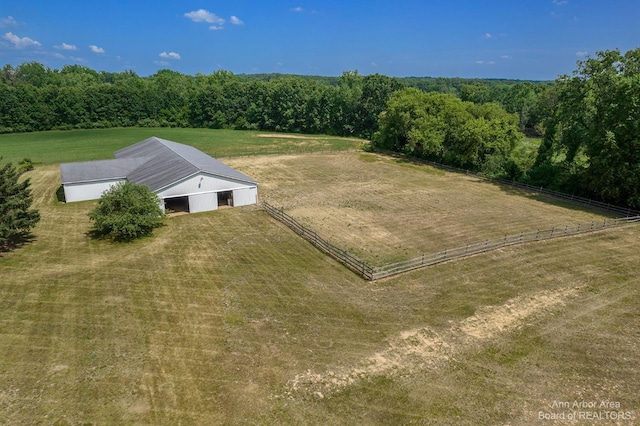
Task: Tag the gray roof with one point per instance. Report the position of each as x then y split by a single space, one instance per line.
154 162
99 170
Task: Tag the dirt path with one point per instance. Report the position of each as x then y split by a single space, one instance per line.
424 348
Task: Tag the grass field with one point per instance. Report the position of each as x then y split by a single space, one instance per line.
228 317
88 145
383 209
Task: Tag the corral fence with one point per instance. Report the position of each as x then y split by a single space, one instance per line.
617 210
487 245
348 260
378 272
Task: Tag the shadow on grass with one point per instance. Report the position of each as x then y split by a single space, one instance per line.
17 243
550 199
60 194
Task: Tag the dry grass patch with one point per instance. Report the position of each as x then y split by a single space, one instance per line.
383 209
211 320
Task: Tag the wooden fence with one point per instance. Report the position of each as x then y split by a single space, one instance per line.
487 245
378 272
350 261
617 210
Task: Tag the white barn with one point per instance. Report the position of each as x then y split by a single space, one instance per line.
183 177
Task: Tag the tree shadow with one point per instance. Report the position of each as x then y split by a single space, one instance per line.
566 203
17 242
60 194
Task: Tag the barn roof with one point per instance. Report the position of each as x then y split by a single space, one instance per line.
154 162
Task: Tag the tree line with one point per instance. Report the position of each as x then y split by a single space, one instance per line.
35 98
589 122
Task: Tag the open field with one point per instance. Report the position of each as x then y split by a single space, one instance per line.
383 209
228 317
88 145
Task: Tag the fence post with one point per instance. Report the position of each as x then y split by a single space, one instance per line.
537 233
552 231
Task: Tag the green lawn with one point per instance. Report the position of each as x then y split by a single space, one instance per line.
87 145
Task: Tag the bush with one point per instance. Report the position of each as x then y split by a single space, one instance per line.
125 212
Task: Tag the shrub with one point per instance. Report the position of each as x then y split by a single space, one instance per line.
125 212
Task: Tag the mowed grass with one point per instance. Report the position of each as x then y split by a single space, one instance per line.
384 209
88 145
212 319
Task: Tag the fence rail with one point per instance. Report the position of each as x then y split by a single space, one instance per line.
622 211
356 265
378 272
487 245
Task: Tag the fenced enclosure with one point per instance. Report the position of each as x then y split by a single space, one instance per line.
350 261
617 210
371 273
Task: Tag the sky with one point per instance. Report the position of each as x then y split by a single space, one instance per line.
514 39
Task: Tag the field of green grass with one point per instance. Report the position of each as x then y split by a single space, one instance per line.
228 317
88 145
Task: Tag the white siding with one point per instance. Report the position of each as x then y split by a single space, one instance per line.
201 183
245 196
203 202
88 190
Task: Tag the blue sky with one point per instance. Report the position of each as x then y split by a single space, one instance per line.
519 39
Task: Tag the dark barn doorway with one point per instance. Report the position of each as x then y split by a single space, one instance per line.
225 198
176 205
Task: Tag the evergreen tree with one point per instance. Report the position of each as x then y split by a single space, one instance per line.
16 216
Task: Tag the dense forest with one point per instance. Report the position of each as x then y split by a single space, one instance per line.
589 122
36 98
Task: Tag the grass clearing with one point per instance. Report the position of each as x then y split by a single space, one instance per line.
383 209
87 145
213 319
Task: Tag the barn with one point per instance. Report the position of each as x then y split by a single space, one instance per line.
183 177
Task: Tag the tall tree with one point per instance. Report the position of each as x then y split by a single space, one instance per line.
592 138
16 215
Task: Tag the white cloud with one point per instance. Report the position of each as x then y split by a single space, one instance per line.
560 2
9 21
216 28
373 64
491 62
163 63
505 57
77 59
202 15
21 42
479 62
58 55
235 20
65 46
582 53
487 35
170 55
96 49
296 9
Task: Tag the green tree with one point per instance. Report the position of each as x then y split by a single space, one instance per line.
444 128
592 137
16 215
125 212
